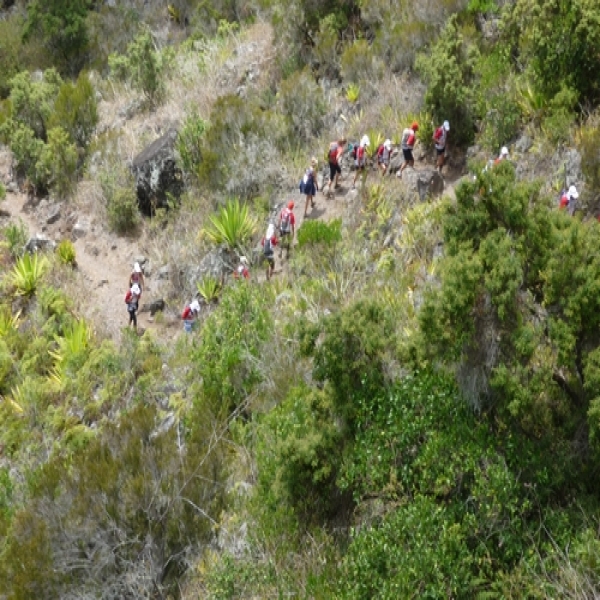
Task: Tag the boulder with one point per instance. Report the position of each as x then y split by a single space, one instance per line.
523 144
53 215
395 163
39 242
154 307
156 174
426 182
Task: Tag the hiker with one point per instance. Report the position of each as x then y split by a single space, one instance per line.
569 200
287 228
242 271
408 143
439 138
137 276
268 243
361 158
384 152
502 156
190 315
131 299
336 150
309 185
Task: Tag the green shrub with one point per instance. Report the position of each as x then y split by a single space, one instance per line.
189 143
122 210
16 237
75 110
143 66
62 28
561 116
357 62
502 121
57 164
209 289
26 149
588 141
448 72
302 103
66 253
316 233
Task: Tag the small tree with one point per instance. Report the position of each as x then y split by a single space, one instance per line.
142 66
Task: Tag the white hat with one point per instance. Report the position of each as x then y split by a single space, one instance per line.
504 151
573 193
365 141
243 260
446 125
195 306
387 144
137 268
135 289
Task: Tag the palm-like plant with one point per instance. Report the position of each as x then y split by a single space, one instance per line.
232 225
66 253
71 347
27 274
209 288
352 93
376 138
8 321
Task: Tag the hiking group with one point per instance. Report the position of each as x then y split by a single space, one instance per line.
309 186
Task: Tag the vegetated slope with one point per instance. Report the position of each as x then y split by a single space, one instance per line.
408 408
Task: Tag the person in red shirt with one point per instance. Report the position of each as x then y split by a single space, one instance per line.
287 228
268 243
131 299
336 150
189 315
242 271
361 159
439 137
384 152
409 137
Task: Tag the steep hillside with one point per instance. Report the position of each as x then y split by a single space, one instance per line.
407 408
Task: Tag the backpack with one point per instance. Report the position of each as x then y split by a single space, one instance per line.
301 185
354 150
332 154
285 220
128 296
187 311
380 151
267 248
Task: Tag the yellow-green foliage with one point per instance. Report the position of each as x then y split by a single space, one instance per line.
231 225
27 274
66 252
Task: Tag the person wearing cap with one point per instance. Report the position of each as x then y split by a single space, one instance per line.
334 156
439 138
137 276
190 315
268 243
132 299
502 156
287 228
310 185
569 200
384 152
361 158
409 137
242 271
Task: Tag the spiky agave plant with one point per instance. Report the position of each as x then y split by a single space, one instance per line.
27 274
66 253
209 289
352 92
231 225
376 138
8 322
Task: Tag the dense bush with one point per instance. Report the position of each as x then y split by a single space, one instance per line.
448 70
57 162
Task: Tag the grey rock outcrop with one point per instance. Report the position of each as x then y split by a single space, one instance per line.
156 174
39 242
427 182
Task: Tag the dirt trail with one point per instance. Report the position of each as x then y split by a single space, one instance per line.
104 261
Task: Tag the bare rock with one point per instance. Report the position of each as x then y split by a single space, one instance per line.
39 242
154 307
427 182
164 272
80 229
523 144
53 215
157 175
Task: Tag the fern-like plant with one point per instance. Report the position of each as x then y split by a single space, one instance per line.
66 253
232 225
209 288
27 274
8 322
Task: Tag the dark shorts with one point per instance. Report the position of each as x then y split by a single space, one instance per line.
408 155
333 170
440 152
310 189
270 259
